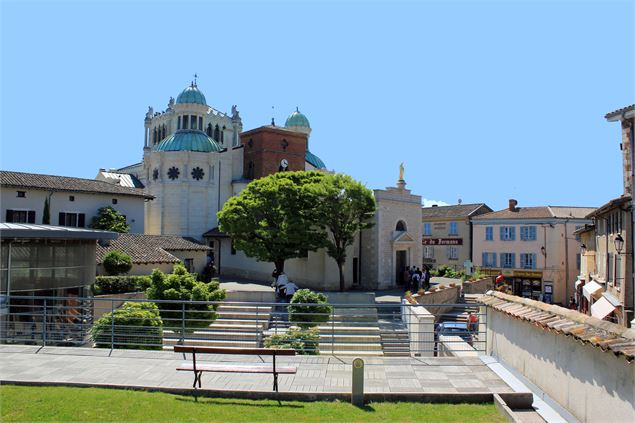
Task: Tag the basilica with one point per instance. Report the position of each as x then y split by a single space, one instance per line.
196 157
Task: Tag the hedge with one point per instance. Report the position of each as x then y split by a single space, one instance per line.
120 284
309 315
136 326
304 341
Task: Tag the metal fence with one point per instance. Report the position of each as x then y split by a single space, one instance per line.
386 329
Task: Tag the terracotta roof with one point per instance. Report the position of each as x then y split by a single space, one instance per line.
599 333
215 233
459 210
619 111
149 248
614 203
65 183
541 212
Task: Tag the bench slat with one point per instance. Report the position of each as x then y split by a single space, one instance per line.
236 369
244 351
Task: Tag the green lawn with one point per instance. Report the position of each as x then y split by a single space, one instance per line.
52 404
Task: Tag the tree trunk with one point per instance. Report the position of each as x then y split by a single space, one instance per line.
279 265
340 264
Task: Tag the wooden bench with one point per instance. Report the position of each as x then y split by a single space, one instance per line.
199 368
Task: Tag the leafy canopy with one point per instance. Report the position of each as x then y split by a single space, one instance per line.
110 219
183 286
276 217
116 262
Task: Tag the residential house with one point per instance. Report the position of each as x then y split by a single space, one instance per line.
535 248
447 233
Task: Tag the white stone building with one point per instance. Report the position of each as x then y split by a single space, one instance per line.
195 159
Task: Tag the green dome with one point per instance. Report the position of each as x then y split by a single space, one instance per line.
314 160
187 140
297 119
190 95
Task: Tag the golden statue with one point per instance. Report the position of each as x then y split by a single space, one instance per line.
401 171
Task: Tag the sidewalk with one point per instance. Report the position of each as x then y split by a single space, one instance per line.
156 369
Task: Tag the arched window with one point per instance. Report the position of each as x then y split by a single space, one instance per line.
192 121
209 130
178 123
217 133
200 123
163 132
154 136
401 226
184 122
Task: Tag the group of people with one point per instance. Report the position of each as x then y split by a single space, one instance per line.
413 276
284 287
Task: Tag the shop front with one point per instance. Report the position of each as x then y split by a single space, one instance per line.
524 283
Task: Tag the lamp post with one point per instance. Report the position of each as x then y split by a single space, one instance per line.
583 249
619 243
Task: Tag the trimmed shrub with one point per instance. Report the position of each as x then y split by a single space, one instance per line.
120 284
304 341
183 286
136 326
116 262
307 316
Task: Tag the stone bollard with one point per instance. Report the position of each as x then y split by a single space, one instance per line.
357 396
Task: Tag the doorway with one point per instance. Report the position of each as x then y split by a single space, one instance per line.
401 262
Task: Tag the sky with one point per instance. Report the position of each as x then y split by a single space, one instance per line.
482 101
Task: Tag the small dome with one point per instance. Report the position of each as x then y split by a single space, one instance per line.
297 119
186 140
314 160
191 95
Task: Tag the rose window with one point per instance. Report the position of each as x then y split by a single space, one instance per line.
173 173
198 173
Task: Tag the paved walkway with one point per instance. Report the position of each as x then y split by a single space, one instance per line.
156 369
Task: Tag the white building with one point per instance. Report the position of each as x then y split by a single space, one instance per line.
72 201
196 157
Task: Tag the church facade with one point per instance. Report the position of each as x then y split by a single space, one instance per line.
196 157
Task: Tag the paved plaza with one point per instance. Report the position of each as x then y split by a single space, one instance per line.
156 369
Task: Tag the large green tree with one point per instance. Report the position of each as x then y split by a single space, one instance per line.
276 217
110 219
346 207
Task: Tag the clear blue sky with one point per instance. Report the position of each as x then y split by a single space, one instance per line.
482 101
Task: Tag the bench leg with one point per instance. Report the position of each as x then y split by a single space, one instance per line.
275 382
197 378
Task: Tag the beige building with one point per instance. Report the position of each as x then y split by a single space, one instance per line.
149 252
535 248
447 233
72 201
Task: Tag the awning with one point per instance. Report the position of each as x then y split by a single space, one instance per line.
611 299
591 289
602 308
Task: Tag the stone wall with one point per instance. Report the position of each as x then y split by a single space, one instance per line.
480 286
449 295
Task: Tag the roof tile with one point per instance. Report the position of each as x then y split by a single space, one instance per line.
149 248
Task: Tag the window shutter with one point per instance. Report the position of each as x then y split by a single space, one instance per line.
484 260
532 234
512 233
502 233
513 255
502 257
9 216
62 219
522 261
31 216
493 259
533 260
81 220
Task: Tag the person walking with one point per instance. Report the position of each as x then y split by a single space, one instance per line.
406 279
426 279
472 322
416 277
290 290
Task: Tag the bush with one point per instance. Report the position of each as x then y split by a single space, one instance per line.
136 326
447 272
304 341
120 284
116 262
182 286
307 316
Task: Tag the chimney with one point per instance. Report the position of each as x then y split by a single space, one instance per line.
512 204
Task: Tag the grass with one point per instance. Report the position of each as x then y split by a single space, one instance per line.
53 404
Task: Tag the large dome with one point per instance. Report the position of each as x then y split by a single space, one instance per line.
297 119
314 160
185 140
191 95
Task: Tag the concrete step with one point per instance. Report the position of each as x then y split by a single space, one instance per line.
348 346
237 336
230 321
243 315
241 308
352 353
349 338
211 343
222 327
349 329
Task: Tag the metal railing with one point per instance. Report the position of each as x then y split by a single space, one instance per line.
340 329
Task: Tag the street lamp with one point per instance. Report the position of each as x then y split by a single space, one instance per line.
583 248
543 250
619 243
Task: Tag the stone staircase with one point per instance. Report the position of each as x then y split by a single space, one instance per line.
238 326
395 341
351 331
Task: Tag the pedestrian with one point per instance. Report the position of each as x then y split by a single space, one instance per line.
572 304
426 278
416 277
281 284
290 290
406 279
472 322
